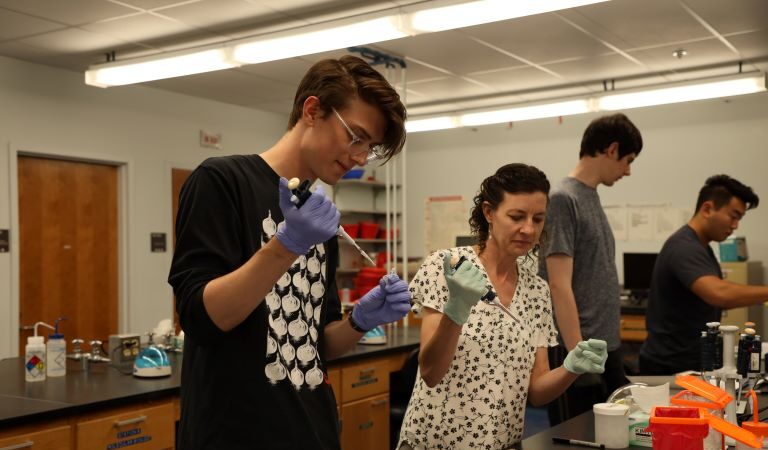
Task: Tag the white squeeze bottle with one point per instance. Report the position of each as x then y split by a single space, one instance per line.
56 353
34 359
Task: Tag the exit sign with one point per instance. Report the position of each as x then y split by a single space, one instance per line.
211 140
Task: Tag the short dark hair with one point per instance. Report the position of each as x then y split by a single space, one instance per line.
605 130
720 189
513 178
337 81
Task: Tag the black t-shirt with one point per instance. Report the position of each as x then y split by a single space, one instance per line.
676 316
262 384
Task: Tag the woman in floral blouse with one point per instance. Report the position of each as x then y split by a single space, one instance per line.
479 364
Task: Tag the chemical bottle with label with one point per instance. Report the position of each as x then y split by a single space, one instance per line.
56 352
34 359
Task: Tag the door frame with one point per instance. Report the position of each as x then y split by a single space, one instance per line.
125 183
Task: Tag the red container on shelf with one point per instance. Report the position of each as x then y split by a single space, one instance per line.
352 229
368 278
369 230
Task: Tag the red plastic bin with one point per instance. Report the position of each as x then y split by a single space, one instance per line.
369 230
678 428
352 229
368 278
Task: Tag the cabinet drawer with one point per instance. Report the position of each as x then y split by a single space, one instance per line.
59 438
149 428
365 424
633 328
364 379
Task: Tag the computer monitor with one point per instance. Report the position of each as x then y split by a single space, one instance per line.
638 269
462 241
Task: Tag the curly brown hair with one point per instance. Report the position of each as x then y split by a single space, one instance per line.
512 178
337 81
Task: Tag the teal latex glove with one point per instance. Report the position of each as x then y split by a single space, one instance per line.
587 357
466 286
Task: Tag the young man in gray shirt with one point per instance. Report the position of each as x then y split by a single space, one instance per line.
579 258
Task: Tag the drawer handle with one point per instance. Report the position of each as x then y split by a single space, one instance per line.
27 444
122 423
379 402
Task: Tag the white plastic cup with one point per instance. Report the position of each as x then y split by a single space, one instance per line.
611 425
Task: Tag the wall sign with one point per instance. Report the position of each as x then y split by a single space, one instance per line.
157 242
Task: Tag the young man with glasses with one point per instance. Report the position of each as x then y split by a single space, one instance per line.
253 274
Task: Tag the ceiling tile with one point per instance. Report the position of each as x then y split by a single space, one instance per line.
630 24
448 88
700 53
596 68
15 25
70 12
29 53
751 45
449 50
515 79
289 71
73 40
541 38
225 13
139 28
154 4
733 16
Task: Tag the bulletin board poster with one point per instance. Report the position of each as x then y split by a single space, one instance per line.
445 218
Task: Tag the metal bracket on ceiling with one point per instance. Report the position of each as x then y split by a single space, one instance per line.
110 56
613 85
376 57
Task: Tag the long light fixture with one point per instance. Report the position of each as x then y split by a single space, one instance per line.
485 11
149 68
683 93
318 39
636 98
364 29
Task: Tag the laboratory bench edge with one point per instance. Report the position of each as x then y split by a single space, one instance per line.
104 408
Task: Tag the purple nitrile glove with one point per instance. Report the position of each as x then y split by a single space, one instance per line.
385 303
316 221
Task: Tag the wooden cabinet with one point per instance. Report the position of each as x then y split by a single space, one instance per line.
149 428
364 379
365 424
54 438
363 398
632 328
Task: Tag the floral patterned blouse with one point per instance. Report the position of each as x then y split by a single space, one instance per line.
480 402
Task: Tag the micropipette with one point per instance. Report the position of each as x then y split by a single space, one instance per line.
301 193
490 296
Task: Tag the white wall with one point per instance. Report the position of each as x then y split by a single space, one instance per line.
52 111
684 144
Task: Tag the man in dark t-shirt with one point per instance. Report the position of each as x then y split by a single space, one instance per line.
687 289
253 271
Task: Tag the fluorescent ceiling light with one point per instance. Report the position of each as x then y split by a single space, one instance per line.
485 11
338 34
566 108
683 93
431 124
147 69
318 40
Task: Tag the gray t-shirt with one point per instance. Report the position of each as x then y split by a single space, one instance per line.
577 226
676 316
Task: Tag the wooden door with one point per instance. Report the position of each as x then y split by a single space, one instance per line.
178 177
68 247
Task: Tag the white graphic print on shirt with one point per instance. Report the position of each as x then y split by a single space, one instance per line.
295 306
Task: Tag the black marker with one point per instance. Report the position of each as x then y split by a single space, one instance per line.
566 441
